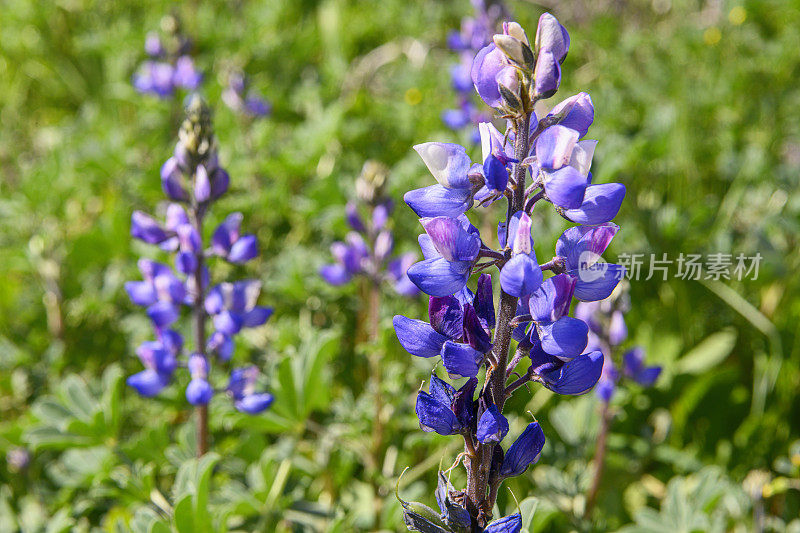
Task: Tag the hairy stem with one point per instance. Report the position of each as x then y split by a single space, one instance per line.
599 459
199 328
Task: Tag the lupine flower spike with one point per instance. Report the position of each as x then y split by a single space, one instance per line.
527 334
193 180
169 66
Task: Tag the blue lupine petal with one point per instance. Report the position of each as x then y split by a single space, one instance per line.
171 181
226 234
461 360
507 524
418 337
256 316
521 276
145 228
495 173
335 274
565 187
441 390
186 262
448 162
253 404
436 416
565 338
446 316
141 292
148 382
455 119
220 181
186 75
579 112
524 451
501 229
492 426
582 246
199 392
163 314
202 184
228 323
598 281
244 249
576 376
220 344
439 277
437 200
354 218
485 67
601 203
463 403
547 74
451 239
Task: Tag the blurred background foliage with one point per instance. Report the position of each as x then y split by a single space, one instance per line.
697 113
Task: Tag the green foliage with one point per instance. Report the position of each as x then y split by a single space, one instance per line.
697 114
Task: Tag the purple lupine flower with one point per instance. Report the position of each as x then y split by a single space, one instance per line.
170 68
239 98
634 368
367 249
564 353
241 387
194 180
476 32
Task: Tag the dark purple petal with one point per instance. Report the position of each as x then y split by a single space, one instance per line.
436 416
252 404
163 314
601 203
353 218
521 276
148 382
439 277
552 36
598 281
648 376
186 262
141 292
441 390
576 376
199 392
463 402
492 426
220 344
242 382
553 298
244 249
171 340
524 451
448 163
485 67
605 389
256 317
220 181
145 228
446 316
565 338
508 524
484 301
633 361
437 200
418 337
461 360
474 333
565 187
226 234
578 113
450 238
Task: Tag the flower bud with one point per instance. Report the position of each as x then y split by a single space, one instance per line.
552 36
547 74
515 50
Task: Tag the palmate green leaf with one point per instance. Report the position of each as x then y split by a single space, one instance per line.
709 353
78 399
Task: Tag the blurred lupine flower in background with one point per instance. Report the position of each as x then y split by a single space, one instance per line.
17 459
192 180
607 331
367 249
240 98
465 329
170 65
476 32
